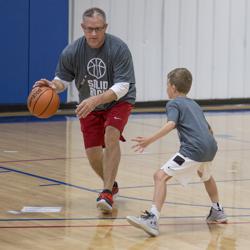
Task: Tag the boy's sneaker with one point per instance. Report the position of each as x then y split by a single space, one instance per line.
105 201
147 221
115 190
216 216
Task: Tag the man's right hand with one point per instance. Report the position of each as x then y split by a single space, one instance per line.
44 82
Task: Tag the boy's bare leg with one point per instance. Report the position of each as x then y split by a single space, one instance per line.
211 189
148 221
160 188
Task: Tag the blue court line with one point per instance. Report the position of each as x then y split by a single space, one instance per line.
46 185
49 179
122 196
97 190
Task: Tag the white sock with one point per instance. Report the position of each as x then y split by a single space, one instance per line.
217 206
155 211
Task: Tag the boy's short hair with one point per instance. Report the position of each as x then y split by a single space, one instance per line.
181 78
94 12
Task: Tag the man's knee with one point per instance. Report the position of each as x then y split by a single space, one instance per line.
112 136
94 153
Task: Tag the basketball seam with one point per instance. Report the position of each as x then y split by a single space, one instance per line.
48 104
34 106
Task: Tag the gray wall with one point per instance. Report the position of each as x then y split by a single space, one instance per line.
209 37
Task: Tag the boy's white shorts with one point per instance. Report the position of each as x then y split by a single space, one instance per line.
183 169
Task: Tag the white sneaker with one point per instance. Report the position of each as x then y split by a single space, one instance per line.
147 221
216 216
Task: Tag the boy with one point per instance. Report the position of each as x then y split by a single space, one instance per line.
197 150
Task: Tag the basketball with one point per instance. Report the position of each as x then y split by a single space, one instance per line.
43 102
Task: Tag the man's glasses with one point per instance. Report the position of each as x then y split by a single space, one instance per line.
97 29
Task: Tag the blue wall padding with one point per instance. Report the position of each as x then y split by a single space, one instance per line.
14 46
48 36
34 32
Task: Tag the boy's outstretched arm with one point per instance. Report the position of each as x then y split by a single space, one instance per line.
143 142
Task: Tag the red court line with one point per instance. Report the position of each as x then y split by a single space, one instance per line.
118 225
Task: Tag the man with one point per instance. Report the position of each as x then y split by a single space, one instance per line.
102 67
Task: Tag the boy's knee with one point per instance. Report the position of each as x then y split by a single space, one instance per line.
204 176
160 175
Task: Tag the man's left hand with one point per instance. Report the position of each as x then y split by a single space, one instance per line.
86 106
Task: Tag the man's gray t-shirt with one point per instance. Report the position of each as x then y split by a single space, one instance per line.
197 142
96 70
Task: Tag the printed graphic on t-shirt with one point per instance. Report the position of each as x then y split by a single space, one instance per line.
97 68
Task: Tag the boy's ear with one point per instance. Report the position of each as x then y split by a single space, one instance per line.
174 87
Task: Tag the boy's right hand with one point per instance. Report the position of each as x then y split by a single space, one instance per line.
142 143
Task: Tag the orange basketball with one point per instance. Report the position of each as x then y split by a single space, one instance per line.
43 102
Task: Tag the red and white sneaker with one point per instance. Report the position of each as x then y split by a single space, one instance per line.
105 201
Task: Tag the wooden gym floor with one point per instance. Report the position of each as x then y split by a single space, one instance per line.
43 166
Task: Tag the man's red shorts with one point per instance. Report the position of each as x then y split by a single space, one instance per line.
93 126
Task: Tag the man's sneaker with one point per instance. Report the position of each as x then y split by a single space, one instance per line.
105 201
216 216
115 190
147 221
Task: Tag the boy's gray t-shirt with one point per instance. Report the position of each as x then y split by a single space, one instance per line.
197 142
96 70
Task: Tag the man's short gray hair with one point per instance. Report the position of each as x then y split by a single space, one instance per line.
94 12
